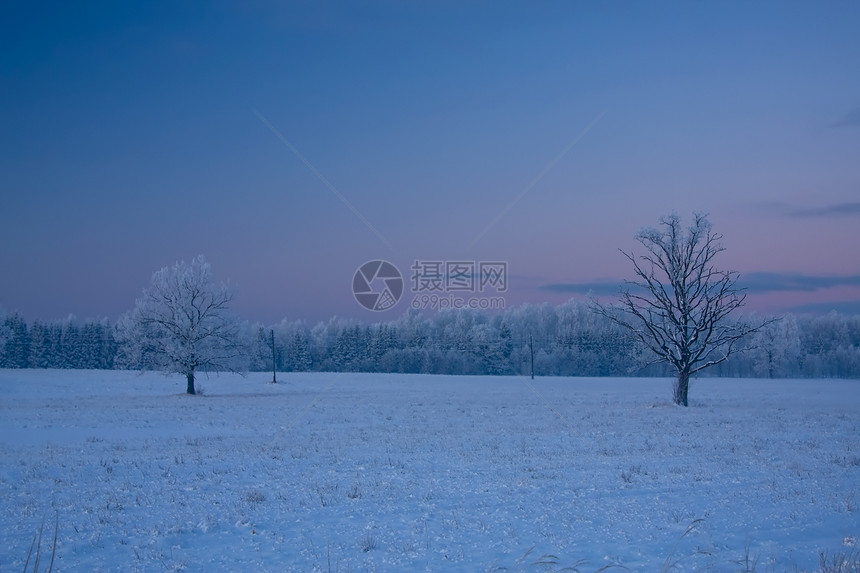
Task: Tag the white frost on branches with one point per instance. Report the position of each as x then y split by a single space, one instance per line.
181 324
680 306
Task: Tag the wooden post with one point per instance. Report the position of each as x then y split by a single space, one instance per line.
274 363
532 352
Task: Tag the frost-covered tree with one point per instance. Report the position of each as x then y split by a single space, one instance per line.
40 345
5 335
777 349
71 344
259 344
830 345
15 352
181 324
300 356
680 305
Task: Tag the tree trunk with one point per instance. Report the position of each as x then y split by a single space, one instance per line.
190 379
682 385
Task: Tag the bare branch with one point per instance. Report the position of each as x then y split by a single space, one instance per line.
182 323
680 306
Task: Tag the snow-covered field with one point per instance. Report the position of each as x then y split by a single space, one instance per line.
363 472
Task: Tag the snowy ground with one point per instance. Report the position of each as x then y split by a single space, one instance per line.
328 472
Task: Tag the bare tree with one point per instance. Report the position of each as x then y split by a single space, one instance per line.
181 324
679 305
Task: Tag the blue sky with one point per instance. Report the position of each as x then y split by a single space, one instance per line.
540 134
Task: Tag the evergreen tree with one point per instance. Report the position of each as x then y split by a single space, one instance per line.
301 352
16 350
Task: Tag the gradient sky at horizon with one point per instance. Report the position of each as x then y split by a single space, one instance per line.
133 135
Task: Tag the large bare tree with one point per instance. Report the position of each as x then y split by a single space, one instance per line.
679 305
181 324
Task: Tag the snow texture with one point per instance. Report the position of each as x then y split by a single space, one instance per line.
369 472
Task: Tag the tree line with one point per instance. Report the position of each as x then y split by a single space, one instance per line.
679 311
60 344
568 340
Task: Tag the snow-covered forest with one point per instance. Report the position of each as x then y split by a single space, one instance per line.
568 340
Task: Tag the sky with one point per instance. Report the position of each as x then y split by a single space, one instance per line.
290 143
